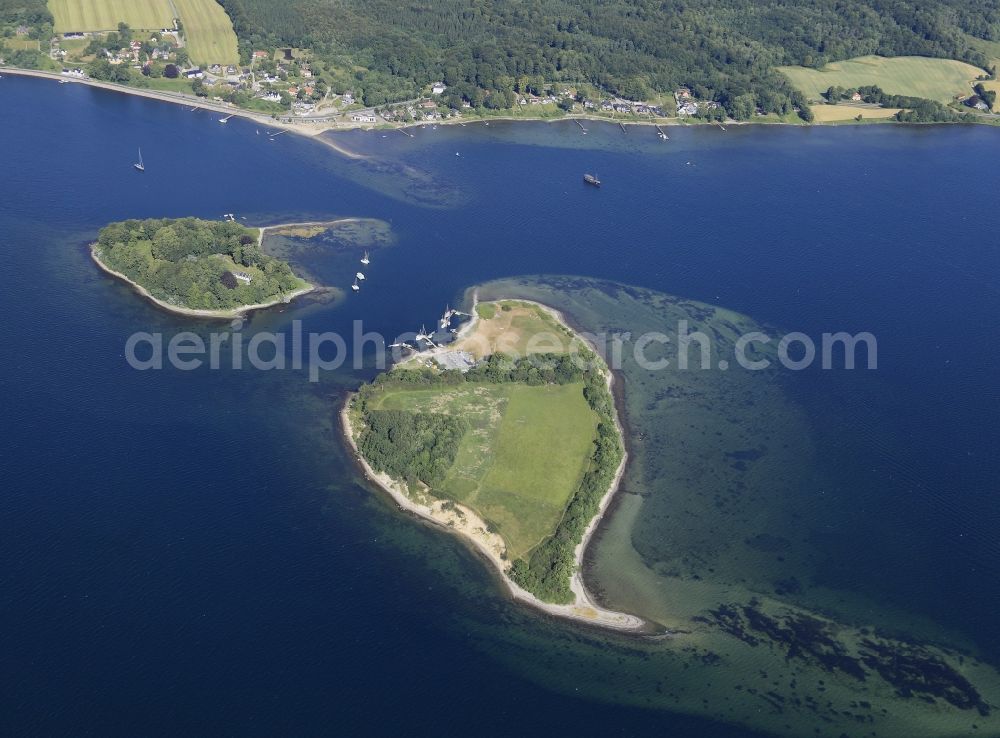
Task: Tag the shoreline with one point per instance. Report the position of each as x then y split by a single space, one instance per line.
180 98
584 609
315 131
193 312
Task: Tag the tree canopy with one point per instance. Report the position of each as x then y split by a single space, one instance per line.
190 262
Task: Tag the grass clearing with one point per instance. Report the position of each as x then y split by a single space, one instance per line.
523 457
833 113
934 79
208 31
21 44
105 15
516 329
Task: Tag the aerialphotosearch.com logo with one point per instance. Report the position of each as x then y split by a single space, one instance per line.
318 352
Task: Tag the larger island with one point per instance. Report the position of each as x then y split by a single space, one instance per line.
509 437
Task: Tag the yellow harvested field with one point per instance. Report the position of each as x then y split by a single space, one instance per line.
208 31
832 113
918 76
105 15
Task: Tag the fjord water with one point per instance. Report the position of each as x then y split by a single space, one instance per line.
193 550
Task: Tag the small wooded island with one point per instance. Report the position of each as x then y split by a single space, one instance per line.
214 269
508 436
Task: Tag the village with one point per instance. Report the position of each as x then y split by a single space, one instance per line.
291 86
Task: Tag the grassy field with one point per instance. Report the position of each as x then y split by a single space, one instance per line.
517 329
832 113
208 31
105 15
935 79
522 458
20 44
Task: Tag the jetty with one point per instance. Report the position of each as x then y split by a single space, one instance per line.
405 132
581 126
662 134
622 125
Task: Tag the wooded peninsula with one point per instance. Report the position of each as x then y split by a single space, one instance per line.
209 268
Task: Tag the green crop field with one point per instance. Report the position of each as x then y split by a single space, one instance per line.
935 79
523 457
105 15
208 31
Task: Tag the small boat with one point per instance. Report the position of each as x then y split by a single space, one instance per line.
355 286
592 179
139 165
364 259
359 275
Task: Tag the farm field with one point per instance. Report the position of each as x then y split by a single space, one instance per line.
105 15
523 456
833 113
935 79
208 31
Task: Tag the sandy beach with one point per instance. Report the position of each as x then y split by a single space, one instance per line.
470 526
177 98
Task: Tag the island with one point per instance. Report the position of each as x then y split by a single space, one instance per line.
509 437
210 269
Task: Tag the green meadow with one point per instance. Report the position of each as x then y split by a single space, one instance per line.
916 76
523 456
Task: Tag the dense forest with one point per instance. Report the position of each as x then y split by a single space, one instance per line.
191 263
724 50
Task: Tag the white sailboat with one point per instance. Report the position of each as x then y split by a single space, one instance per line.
139 165
364 259
359 275
355 286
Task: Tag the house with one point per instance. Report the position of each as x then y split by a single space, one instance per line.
428 105
363 118
231 70
438 88
687 108
978 103
856 97
270 97
260 55
243 277
682 93
348 98
194 73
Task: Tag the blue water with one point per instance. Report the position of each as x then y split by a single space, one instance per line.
191 551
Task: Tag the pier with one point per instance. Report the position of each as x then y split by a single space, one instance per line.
581 126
